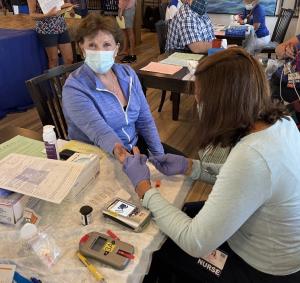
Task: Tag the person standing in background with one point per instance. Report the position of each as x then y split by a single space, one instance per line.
52 32
172 9
127 10
254 14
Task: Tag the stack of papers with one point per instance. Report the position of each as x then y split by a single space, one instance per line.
181 59
46 179
161 68
82 147
23 145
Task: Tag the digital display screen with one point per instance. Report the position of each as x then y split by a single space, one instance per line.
98 244
122 208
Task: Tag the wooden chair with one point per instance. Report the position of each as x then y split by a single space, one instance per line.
161 28
280 30
46 93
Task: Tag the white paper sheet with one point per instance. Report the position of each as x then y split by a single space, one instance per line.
46 179
47 5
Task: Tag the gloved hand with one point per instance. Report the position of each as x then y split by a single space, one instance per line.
170 164
136 169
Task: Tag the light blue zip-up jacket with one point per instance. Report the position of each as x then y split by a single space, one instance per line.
95 115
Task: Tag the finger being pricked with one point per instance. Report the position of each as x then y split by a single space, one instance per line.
135 150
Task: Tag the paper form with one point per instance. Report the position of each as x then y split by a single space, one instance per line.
7 272
46 179
161 68
47 5
82 147
20 144
181 59
186 56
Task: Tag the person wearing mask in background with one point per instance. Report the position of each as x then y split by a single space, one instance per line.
52 32
191 28
127 10
103 102
289 52
172 9
254 14
283 88
252 215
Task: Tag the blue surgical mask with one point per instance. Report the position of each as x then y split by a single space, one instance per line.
199 6
249 6
99 61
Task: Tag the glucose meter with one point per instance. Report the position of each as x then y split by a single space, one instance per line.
106 249
127 214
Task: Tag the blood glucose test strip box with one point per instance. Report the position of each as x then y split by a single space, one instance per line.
91 163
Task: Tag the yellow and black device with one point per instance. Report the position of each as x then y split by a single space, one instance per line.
106 249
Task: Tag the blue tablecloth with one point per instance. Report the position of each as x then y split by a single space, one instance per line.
21 58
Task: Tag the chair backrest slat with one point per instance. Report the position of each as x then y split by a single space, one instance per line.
46 93
282 25
161 28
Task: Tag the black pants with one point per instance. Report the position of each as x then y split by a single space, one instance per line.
143 147
172 265
287 93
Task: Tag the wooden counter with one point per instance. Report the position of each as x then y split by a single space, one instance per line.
24 21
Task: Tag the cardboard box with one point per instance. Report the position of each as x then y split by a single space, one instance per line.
12 206
89 173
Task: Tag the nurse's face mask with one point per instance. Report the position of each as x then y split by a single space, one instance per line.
249 6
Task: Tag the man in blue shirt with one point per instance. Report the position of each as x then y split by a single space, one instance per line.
254 14
191 28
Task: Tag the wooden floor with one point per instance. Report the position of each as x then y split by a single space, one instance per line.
180 134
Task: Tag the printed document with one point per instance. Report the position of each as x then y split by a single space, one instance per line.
47 5
46 179
22 145
161 68
182 59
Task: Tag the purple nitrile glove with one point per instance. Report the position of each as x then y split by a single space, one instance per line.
136 169
170 164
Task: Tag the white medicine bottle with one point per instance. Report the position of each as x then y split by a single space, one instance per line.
49 138
40 243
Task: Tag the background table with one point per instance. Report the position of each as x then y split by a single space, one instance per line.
173 83
21 58
65 226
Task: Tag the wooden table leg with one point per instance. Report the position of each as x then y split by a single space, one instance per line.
175 103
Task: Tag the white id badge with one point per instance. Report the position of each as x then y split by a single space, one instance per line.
294 77
285 69
214 262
